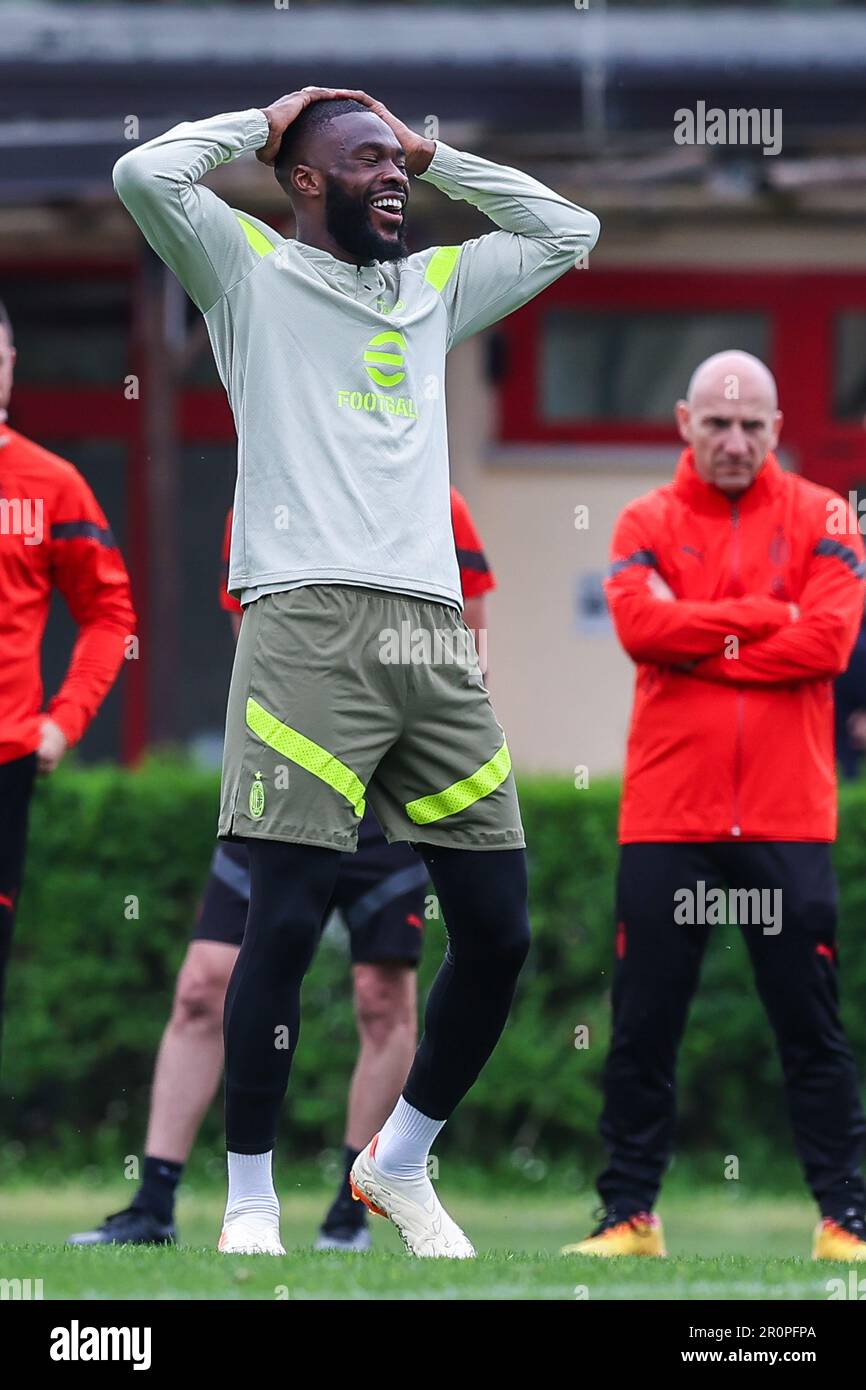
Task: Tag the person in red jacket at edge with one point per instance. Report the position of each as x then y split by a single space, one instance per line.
52 535
737 590
381 893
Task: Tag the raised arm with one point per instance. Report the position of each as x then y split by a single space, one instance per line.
662 631
487 278
541 238
193 231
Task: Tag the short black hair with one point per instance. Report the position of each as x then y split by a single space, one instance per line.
5 321
312 119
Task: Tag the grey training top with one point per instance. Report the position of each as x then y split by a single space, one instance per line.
335 372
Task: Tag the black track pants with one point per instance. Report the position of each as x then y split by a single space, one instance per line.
789 926
16 789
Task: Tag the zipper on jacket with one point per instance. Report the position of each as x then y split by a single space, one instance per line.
736 828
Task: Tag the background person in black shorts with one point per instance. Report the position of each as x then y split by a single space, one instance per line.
380 893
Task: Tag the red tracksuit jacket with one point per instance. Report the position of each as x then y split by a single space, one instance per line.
53 533
732 728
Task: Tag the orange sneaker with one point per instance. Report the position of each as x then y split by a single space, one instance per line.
638 1234
843 1240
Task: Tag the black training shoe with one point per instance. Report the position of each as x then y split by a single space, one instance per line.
344 1238
345 1226
134 1226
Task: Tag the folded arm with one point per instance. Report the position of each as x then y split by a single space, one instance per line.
819 645
661 632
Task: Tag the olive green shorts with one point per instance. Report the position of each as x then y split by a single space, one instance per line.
342 696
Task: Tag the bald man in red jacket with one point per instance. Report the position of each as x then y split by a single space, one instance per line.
53 535
737 590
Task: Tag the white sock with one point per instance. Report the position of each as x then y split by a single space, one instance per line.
251 1186
405 1140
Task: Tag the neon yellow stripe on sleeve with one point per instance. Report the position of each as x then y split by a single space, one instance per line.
258 241
442 266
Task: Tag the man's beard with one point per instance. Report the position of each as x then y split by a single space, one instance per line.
348 222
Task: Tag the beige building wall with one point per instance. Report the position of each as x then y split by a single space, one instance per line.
562 694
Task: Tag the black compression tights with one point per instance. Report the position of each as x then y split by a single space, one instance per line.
483 899
482 894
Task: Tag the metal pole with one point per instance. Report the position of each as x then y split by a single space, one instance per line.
160 427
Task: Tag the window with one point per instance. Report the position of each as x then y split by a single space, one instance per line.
849 366
617 366
72 331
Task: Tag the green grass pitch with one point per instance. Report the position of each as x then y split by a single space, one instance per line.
722 1245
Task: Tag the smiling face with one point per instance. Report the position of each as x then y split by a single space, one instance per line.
730 419
351 174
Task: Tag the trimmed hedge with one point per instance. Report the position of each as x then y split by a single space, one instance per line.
116 865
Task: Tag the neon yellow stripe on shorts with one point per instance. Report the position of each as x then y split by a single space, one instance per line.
462 794
307 754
